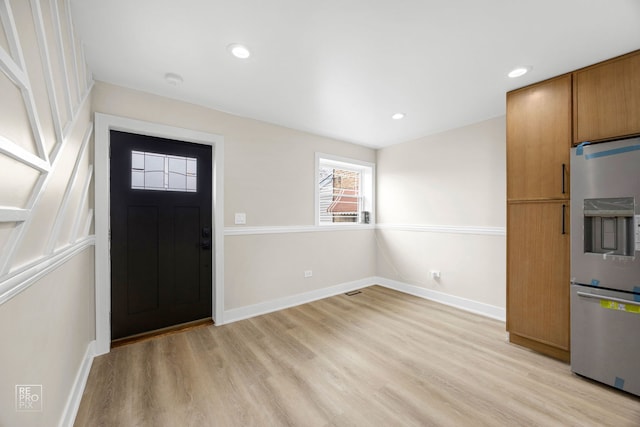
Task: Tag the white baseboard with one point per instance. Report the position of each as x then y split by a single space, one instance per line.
465 304
246 312
75 397
472 306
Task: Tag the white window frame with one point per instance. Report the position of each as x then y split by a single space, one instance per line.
368 187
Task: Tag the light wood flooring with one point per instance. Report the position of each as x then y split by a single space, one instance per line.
378 358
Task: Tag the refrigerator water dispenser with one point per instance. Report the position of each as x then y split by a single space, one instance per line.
609 226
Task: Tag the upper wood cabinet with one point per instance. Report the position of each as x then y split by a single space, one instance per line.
607 99
538 140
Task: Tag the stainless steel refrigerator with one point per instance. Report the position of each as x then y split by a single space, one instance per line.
605 263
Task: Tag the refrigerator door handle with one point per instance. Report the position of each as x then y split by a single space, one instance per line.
620 300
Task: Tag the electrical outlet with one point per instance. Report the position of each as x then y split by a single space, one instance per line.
308 273
435 274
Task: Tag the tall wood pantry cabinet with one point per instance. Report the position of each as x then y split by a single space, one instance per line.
539 136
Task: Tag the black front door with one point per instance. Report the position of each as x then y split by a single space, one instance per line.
161 233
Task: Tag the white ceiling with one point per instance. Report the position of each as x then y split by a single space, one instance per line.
341 68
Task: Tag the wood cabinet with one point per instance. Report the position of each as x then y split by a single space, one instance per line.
538 276
539 137
607 99
596 103
538 148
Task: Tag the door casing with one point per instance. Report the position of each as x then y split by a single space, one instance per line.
104 123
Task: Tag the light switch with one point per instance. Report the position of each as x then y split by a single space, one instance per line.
241 218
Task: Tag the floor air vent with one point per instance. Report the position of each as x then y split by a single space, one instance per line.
352 293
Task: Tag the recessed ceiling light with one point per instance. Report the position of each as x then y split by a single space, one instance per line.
173 79
520 71
239 50
398 116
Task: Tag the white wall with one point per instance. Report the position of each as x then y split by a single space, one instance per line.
45 332
441 206
46 254
269 175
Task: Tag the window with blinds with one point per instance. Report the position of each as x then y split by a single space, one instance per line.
344 192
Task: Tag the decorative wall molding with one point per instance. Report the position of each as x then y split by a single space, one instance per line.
450 229
10 214
244 231
39 188
62 211
17 58
88 81
24 277
71 124
11 69
17 234
18 153
45 58
14 66
74 50
83 201
59 43
87 223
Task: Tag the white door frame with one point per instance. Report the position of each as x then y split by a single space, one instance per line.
104 123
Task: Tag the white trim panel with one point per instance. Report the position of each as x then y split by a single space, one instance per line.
451 229
71 124
15 238
29 274
74 52
62 210
244 231
75 396
83 201
465 304
11 69
246 312
87 224
11 214
87 77
59 44
39 188
18 153
13 38
45 57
